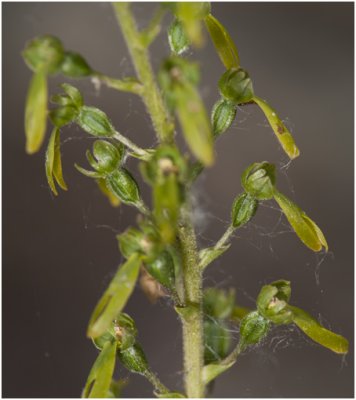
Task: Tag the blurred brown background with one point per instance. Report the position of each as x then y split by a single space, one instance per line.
59 253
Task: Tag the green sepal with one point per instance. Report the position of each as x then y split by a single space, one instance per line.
74 94
222 116
217 340
125 331
162 269
243 209
306 229
89 174
99 379
108 336
259 180
213 370
253 328
113 200
95 122
219 303
282 133
177 38
115 297
63 115
74 65
43 54
235 85
318 333
36 112
61 100
53 164
124 186
134 359
208 255
223 43
195 123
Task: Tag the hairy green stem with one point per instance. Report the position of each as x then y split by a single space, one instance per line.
139 55
192 317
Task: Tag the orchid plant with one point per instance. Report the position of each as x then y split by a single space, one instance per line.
161 248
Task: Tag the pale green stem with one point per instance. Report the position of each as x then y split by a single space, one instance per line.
151 95
156 383
193 339
132 146
124 85
225 237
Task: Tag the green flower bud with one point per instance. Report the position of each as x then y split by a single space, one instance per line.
108 156
218 303
75 66
235 85
243 209
134 359
272 302
63 115
178 40
259 179
44 54
162 269
95 122
222 116
253 328
124 186
217 340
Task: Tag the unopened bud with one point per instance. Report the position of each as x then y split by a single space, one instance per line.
222 116
95 122
75 66
243 209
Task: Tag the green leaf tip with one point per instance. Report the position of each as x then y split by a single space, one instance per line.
99 379
36 112
53 163
115 297
334 342
223 43
282 133
306 229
